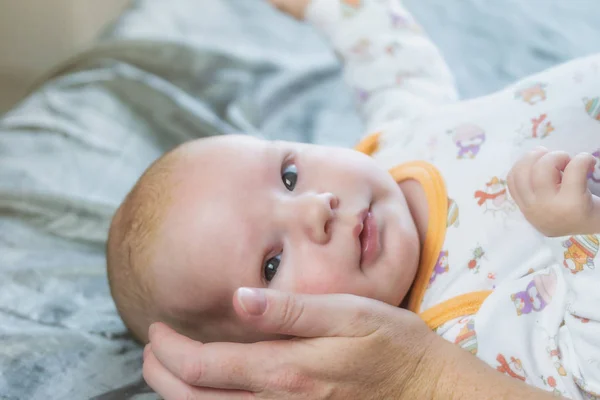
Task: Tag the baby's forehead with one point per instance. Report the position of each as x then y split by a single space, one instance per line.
225 145
222 158
211 221
220 195
194 277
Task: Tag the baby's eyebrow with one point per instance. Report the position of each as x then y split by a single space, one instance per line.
272 160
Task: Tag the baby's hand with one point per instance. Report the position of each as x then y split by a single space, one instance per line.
551 189
295 8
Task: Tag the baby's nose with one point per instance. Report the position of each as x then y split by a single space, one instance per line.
317 214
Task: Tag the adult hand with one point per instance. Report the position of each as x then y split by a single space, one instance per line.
351 347
368 350
551 190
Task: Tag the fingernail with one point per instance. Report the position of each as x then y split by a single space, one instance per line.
253 301
151 330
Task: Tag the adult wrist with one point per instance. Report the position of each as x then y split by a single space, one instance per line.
463 376
423 379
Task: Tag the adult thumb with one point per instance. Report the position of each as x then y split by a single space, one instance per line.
306 315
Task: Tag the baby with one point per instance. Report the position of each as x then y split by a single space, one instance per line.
231 211
457 215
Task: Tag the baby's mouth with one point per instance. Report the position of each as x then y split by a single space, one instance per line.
368 237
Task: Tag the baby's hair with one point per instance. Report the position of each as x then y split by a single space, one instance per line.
134 251
132 233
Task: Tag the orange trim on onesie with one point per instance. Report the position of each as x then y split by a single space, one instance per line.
459 306
434 187
433 184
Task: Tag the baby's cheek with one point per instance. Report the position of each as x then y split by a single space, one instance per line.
326 283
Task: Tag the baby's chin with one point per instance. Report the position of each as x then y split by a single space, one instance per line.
397 290
396 299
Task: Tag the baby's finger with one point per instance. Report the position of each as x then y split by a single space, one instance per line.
575 176
531 157
520 176
547 173
512 186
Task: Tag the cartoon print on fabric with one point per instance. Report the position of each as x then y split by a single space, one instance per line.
583 320
467 338
580 252
474 263
400 19
588 394
554 354
361 50
403 75
551 382
393 48
441 267
532 94
468 138
539 128
452 219
350 7
431 148
537 295
495 197
514 368
594 175
362 95
592 107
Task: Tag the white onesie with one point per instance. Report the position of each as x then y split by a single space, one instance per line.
539 315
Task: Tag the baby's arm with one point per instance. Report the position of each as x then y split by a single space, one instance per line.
393 67
551 189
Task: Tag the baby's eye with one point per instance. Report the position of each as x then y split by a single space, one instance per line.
289 176
271 266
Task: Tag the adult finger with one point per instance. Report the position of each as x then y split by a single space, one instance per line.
547 172
331 315
210 364
575 176
169 387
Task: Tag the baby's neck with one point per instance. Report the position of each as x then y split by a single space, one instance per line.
418 206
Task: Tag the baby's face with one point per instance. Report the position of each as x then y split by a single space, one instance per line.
288 216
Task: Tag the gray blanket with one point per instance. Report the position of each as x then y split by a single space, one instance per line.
164 73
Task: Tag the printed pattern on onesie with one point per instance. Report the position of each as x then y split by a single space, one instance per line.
490 246
540 324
